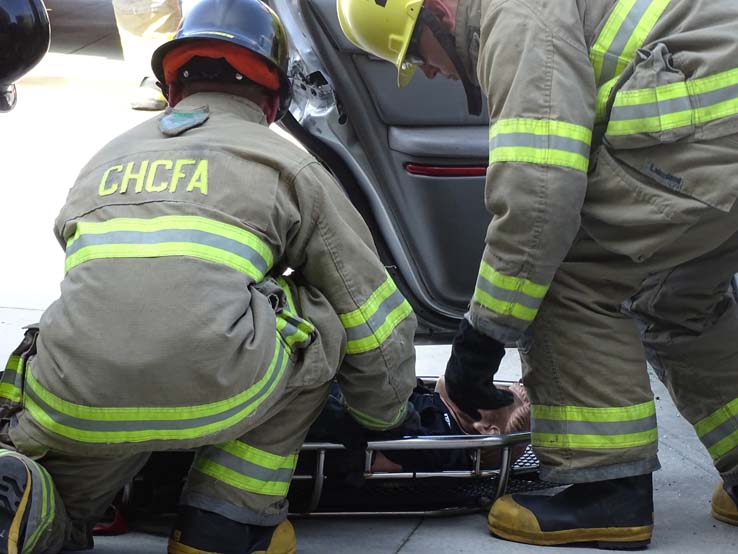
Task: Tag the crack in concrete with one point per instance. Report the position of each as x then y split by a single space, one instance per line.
409 536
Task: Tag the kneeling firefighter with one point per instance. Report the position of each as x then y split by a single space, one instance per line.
176 329
612 183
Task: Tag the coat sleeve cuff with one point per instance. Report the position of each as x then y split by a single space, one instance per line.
493 329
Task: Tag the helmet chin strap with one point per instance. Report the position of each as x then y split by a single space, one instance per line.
448 43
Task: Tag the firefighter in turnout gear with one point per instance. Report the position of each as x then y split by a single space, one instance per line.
612 184
176 327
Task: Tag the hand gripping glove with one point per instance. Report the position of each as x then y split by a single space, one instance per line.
475 358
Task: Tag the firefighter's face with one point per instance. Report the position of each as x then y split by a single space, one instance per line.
436 60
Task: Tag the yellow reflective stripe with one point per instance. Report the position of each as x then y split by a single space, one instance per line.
540 141
48 511
240 481
15 363
149 414
257 456
527 287
378 337
674 91
502 307
293 334
11 392
631 440
722 447
293 319
540 157
207 253
368 326
175 222
90 413
577 413
641 32
48 502
603 96
542 127
364 312
717 418
610 44
597 428
8 385
608 34
371 422
508 295
287 293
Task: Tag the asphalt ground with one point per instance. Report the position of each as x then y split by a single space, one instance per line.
71 104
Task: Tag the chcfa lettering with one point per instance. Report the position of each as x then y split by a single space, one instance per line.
155 176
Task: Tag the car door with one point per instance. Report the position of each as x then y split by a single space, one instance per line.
412 160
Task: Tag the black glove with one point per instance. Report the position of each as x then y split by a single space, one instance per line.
475 358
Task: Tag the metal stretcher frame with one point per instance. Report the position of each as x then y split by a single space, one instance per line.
447 442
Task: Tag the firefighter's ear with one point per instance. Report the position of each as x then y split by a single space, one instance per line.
442 12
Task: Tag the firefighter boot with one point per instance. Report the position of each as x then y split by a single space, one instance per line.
725 504
615 514
198 531
15 502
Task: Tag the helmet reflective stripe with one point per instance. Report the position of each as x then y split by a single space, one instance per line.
383 28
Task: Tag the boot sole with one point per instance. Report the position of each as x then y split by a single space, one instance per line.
615 538
725 518
15 492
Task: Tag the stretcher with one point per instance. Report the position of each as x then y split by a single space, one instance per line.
315 493
414 493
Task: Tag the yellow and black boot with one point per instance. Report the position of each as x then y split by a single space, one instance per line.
198 531
15 502
725 504
615 514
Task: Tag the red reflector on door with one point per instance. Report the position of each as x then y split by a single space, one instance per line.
446 170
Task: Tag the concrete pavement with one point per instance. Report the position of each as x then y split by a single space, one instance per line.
74 101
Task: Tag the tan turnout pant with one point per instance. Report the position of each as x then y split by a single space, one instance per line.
607 314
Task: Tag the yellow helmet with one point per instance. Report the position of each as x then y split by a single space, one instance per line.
383 28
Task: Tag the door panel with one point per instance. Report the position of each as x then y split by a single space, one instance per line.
430 229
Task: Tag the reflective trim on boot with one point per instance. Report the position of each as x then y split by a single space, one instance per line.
15 493
511 521
724 507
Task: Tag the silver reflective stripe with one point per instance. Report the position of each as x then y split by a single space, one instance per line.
244 467
156 425
543 142
13 376
377 319
506 295
617 47
655 109
602 428
168 236
673 105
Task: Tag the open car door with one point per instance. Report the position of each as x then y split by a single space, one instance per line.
412 160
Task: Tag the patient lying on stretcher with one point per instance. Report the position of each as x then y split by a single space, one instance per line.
438 416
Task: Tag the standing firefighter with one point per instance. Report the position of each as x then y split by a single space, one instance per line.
612 181
175 328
